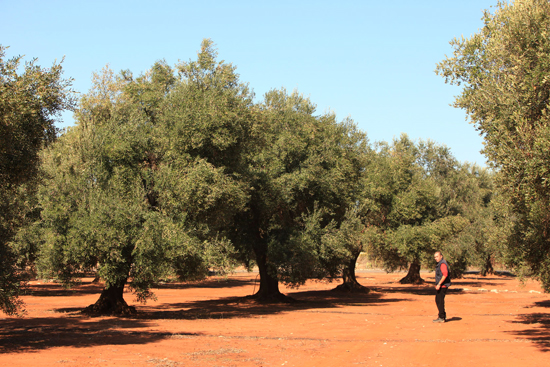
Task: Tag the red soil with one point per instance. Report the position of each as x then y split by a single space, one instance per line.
493 321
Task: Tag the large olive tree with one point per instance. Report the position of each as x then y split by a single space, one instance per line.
504 72
304 174
141 188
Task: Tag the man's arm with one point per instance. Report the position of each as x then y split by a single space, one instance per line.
445 273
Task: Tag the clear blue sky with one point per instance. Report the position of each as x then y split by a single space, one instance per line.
371 60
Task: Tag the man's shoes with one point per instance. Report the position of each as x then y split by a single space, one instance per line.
439 320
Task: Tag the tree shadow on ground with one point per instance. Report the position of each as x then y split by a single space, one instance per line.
215 282
502 273
488 278
18 335
245 307
456 283
475 283
539 331
427 288
419 290
89 287
57 290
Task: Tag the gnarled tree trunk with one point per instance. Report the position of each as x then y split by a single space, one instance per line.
269 284
350 283
111 302
413 276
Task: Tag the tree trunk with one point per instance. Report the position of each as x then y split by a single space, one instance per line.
269 284
111 302
487 268
413 276
350 283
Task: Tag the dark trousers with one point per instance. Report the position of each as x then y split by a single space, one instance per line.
440 302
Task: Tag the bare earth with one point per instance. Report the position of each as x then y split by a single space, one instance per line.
493 321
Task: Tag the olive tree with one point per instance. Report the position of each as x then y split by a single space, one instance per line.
31 99
503 70
304 172
179 169
420 199
139 189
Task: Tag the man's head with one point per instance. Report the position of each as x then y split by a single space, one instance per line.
438 256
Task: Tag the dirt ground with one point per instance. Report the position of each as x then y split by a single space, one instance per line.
492 321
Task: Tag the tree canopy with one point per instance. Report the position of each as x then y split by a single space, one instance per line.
177 170
420 199
141 188
31 99
504 71
304 173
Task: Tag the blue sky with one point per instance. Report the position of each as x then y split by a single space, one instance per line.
373 61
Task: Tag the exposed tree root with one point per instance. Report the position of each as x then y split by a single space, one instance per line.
413 276
412 280
118 310
350 283
110 302
272 298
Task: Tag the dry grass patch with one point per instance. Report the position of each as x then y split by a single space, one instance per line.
165 362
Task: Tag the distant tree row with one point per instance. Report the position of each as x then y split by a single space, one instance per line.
179 170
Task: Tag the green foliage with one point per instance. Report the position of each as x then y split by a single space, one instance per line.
142 188
9 281
504 72
178 170
30 101
304 174
418 199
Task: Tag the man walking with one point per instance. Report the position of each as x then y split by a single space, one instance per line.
442 283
